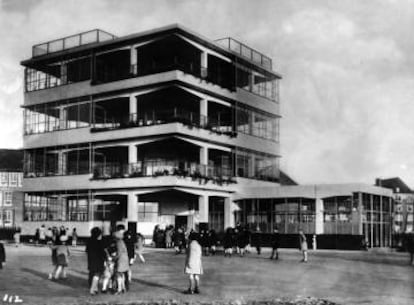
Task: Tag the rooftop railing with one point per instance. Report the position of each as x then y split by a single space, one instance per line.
245 51
72 41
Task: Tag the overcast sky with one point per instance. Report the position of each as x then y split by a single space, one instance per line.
347 94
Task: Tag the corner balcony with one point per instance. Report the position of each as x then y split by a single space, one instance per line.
218 125
178 168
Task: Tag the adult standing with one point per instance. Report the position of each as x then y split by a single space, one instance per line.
96 259
122 261
303 246
193 265
409 239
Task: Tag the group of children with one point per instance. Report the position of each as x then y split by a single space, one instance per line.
109 260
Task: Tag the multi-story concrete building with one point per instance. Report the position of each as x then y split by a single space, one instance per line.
160 127
11 196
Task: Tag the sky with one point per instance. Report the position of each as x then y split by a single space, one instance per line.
347 94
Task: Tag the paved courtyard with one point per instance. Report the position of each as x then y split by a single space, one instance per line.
339 276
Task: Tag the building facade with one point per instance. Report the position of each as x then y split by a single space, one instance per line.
340 216
11 198
160 127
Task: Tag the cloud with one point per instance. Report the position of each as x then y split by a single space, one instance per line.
347 87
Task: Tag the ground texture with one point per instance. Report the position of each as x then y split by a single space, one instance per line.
330 277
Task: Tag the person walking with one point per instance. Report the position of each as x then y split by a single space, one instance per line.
62 257
16 237
140 247
275 244
74 237
96 259
303 246
2 255
193 265
36 237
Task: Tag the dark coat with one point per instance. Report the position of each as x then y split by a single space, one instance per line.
228 241
2 253
96 255
275 240
130 240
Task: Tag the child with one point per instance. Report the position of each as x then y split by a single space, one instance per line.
303 246
193 265
109 276
74 237
96 259
140 247
122 261
228 243
53 247
275 245
62 257
2 255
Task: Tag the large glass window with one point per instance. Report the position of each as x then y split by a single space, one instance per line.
258 124
54 116
148 211
257 166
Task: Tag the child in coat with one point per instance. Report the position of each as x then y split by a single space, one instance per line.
303 246
2 255
193 265
122 262
62 257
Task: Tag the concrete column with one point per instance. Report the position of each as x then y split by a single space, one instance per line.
62 161
132 209
203 111
252 165
204 59
62 117
63 73
360 213
228 213
133 108
251 81
132 154
203 208
204 155
318 216
134 60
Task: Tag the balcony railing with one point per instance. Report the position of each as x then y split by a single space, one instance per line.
175 115
72 41
245 51
180 168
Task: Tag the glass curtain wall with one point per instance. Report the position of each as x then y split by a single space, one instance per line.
287 214
56 207
69 114
376 220
258 124
255 165
340 216
57 161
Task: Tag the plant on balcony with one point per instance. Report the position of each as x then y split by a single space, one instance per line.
136 174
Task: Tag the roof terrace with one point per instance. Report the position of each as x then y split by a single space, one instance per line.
72 41
245 51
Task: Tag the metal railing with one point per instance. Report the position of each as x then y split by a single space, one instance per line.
245 51
157 117
157 168
72 41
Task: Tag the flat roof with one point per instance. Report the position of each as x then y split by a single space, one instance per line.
312 191
129 39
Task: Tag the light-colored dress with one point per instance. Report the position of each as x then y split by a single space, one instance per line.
122 263
193 263
303 243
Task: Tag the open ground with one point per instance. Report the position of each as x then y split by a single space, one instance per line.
343 277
